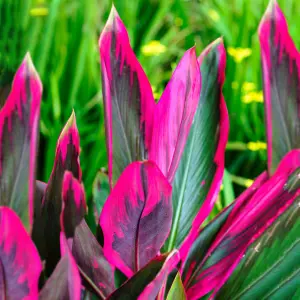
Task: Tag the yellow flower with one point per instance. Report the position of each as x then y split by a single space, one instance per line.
256 146
239 54
248 182
248 86
153 48
254 96
39 11
214 15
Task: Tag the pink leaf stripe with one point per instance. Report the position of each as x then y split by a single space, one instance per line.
152 289
90 258
189 267
66 159
241 229
20 265
174 114
65 282
281 78
130 107
149 280
128 99
136 217
219 157
19 127
73 206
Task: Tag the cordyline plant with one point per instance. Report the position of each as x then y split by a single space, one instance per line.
165 167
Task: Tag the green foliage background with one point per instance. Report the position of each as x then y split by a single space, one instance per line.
62 36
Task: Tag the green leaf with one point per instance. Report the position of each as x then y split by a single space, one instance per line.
177 290
101 190
271 266
200 171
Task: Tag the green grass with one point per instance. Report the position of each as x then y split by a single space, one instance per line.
63 44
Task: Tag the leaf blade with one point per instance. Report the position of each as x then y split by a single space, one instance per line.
20 262
281 77
198 179
174 114
19 125
128 99
136 218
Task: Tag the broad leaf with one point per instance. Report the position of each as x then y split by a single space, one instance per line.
90 258
271 266
19 129
66 158
174 115
73 206
136 218
146 283
20 264
128 99
199 175
208 234
281 78
177 289
243 228
64 283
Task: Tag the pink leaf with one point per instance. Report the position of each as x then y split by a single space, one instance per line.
136 217
20 265
174 115
19 129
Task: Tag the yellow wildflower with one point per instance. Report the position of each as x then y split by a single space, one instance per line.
248 86
153 48
256 146
214 15
254 96
39 11
239 54
248 182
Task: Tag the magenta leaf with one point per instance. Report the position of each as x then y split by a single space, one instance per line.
74 206
136 217
90 258
247 221
281 78
128 99
200 172
146 283
65 282
20 264
174 115
66 159
19 128
208 234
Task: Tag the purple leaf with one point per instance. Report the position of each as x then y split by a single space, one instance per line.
73 206
136 218
249 218
19 128
146 283
281 78
20 265
90 258
65 282
174 115
128 99
66 158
